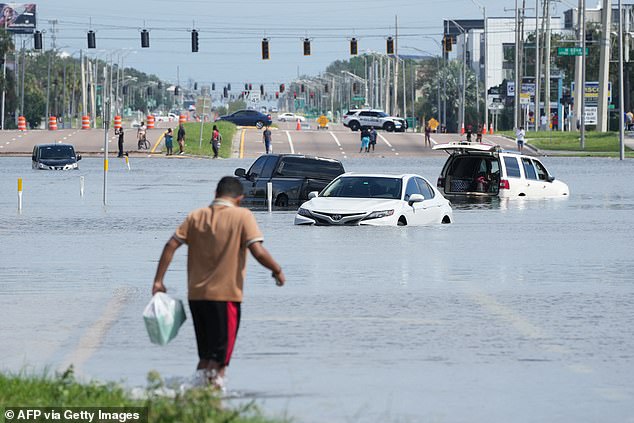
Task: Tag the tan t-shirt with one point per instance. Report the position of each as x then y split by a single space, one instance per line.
218 237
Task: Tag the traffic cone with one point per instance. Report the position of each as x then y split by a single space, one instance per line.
299 125
484 130
491 129
462 130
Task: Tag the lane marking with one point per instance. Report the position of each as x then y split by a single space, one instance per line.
433 141
290 142
241 155
335 137
385 140
94 335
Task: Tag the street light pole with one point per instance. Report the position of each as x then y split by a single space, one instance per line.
464 73
621 87
485 56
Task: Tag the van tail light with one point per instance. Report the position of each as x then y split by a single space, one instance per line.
504 184
268 117
440 183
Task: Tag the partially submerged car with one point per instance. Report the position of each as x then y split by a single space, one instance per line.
54 157
484 170
375 199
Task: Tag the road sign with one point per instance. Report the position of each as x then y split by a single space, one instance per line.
358 98
525 98
591 115
571 51
433 124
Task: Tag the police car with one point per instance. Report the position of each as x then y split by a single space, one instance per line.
355 119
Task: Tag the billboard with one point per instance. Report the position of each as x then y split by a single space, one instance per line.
18 18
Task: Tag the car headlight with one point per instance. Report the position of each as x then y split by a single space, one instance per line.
380 214
304 212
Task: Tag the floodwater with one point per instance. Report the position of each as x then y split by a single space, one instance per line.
519 311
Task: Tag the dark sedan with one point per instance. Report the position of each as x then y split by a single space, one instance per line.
247 118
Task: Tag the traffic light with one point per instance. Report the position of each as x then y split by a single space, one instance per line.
326 88
225 92
301 88
250 87
353 47
355 87
447 43
589 36
229 87
149 91
160 85
176 90
390 45
125 90
306 47
282 88
246 86
261 89
37 40
195 86
312 94
295 94
92 39
194 41
277 95
265 49
213 86
145 39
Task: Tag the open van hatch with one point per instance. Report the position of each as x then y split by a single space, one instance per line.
476 174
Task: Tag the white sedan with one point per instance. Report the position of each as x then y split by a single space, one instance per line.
374 199
290 117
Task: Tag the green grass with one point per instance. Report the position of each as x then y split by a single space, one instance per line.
63 390
603 143
192 139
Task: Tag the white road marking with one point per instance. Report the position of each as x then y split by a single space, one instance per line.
385 141
290 142
8 142
433 141
335 137
1 146
12 139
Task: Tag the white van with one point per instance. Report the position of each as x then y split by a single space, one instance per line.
483 170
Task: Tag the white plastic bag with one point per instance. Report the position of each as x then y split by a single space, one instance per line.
163 317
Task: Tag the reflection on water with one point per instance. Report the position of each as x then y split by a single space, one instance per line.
375 324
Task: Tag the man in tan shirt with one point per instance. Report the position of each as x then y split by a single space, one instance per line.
218 237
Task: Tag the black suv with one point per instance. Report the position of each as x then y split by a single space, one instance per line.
293 176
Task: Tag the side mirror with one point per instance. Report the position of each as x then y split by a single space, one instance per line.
240 172
415 198
313 194
78 157
550 178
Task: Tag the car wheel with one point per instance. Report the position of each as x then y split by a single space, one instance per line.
402 221
354 125
259 124
389 126
446 219
281 200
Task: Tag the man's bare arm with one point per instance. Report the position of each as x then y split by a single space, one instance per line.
263 257
166 258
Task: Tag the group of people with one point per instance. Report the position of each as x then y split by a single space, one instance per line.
368 139
141 135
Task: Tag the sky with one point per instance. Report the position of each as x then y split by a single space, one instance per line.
230 33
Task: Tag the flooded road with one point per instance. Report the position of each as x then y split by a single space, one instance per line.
520 310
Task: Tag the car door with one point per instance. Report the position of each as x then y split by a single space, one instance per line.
517 185
260 189
415 213
543 178
534 187
250 180
432 205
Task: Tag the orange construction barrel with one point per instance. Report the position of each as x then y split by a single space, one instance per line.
117 122
85 122
182 119
150 122
52 123
21 123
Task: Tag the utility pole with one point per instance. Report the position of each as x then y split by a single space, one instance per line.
538 74
621 87
395 96
582 141
547 64
516 97
579 89
604 66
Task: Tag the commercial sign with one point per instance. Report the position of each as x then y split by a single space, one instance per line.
592 93
526 88
18 18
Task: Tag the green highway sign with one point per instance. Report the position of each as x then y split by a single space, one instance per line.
358 98
571 51
611 106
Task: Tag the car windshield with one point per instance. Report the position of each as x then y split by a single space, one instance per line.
364 187
57 152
